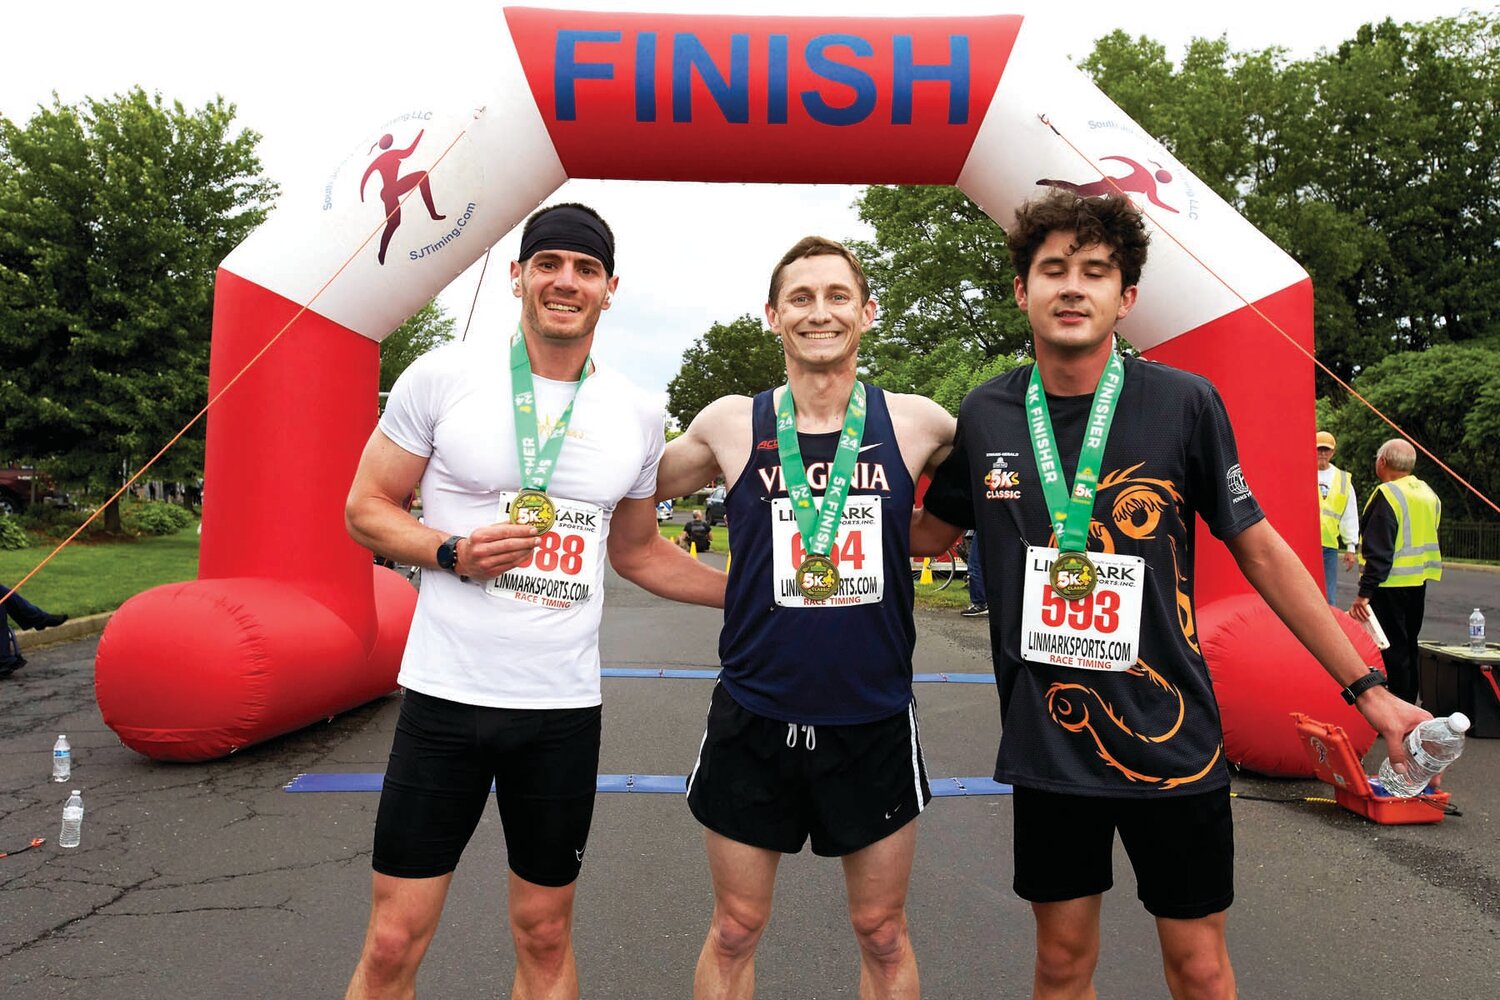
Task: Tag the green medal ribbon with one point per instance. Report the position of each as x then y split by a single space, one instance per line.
1071 509
537 465
820 526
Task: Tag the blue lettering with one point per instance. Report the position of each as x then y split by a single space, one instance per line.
776 82
566 70
732 97
645 77
955 72
856 79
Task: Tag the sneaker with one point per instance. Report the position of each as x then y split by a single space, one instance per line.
11 665
47 621
976 611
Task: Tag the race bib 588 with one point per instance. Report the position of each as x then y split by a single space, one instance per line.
561 570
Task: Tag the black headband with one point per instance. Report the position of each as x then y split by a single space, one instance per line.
569 228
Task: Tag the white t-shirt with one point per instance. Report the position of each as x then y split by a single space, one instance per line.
1349 522
454 407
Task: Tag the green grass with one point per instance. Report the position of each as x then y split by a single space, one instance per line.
87 579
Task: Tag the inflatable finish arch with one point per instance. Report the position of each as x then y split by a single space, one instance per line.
288 621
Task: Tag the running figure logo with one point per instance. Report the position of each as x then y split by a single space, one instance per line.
1138 181
392 187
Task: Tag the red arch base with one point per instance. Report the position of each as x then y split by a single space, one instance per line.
1261 674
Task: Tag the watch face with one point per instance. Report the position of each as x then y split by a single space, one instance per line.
447 554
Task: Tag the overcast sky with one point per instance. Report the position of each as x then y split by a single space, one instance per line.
314 78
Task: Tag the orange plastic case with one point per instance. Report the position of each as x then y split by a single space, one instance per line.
1335 762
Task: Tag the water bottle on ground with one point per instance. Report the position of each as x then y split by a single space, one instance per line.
1431 747
1476 633
72 827
62 759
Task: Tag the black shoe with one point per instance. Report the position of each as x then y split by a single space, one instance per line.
47 621
10 666
976 611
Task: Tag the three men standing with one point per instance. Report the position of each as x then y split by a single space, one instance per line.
1337 515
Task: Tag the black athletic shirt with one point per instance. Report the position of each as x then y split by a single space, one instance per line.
824 665
1153 729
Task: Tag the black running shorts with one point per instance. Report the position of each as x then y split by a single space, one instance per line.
544 764
773 784
1181 847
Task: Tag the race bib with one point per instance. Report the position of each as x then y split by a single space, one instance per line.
858 554
561 571
1099 632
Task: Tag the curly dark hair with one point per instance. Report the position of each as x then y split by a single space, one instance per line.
1110 220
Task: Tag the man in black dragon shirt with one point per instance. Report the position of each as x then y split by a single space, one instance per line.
1108 713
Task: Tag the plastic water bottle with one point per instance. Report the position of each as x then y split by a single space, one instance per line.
1476 633
72 827
1431 747
62 759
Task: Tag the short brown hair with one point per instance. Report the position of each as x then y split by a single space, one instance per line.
817 246
1110 220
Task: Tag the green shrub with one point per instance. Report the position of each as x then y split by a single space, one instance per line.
12 535
156 518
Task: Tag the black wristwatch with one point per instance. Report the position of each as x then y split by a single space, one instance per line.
447 553
1372 679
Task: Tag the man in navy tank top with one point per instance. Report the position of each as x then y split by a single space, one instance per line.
812 730
1084 474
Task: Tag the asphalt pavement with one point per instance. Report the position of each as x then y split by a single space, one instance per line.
210 880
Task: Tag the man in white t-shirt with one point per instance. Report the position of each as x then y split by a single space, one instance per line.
534 464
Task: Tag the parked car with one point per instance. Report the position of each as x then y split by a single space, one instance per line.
713 507
16 490
663 511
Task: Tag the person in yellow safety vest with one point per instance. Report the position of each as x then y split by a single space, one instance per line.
1398 555
1338 513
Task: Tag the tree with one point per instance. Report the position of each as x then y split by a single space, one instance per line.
741 358
1374 165
427 328
1447 398
114 215
939 268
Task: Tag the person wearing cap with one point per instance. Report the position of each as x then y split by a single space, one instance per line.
1338 514
535 464
1398 555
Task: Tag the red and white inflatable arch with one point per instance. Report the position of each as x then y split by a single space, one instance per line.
288 623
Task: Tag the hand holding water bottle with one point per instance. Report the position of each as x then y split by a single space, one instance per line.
1430 748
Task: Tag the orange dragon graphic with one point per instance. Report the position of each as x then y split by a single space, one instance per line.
1135 506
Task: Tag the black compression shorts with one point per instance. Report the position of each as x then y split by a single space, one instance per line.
544 764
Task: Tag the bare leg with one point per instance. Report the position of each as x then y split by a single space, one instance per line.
744 878
1195 958
404 916
1067 949
541 923
876 879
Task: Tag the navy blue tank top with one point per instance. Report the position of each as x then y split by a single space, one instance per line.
840 664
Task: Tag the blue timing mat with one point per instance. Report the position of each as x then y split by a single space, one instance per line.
672 784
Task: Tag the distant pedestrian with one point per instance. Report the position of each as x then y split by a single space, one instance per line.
1337 514
26 615
979 604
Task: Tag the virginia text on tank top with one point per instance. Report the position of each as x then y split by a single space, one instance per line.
833 665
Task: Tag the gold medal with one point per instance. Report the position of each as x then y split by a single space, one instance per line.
1073 575
534 509
817 578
